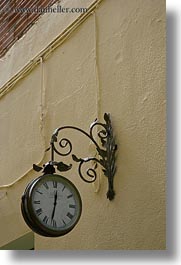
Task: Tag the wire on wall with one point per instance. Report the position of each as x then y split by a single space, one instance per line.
39 59
45 53
97 183
42 130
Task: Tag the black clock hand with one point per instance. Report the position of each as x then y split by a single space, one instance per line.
55 203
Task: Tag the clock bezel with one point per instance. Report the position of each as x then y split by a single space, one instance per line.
28 210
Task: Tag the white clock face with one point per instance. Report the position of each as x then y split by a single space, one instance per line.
55 203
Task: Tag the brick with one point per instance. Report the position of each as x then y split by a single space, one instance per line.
14 25
3 3
9 23
8 39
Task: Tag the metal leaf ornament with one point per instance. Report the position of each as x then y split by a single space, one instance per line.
37 168
63 167
48 168
108 154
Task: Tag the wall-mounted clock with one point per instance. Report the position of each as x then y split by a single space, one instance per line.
51 205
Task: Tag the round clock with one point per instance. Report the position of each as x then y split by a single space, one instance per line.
51 205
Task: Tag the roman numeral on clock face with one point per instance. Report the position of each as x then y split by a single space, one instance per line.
36 202
72 206
63 222
39 192
45 219
54 223
70 215
46 185
39 211
55 184
69 196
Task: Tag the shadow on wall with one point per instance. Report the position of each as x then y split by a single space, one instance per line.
172 224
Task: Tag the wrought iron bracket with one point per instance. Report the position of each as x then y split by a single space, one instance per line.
105 147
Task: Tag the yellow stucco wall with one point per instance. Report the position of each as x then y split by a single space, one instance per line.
113 62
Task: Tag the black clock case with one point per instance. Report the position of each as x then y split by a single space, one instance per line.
29 216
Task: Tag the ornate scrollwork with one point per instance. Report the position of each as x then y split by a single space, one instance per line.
106 152
91 172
